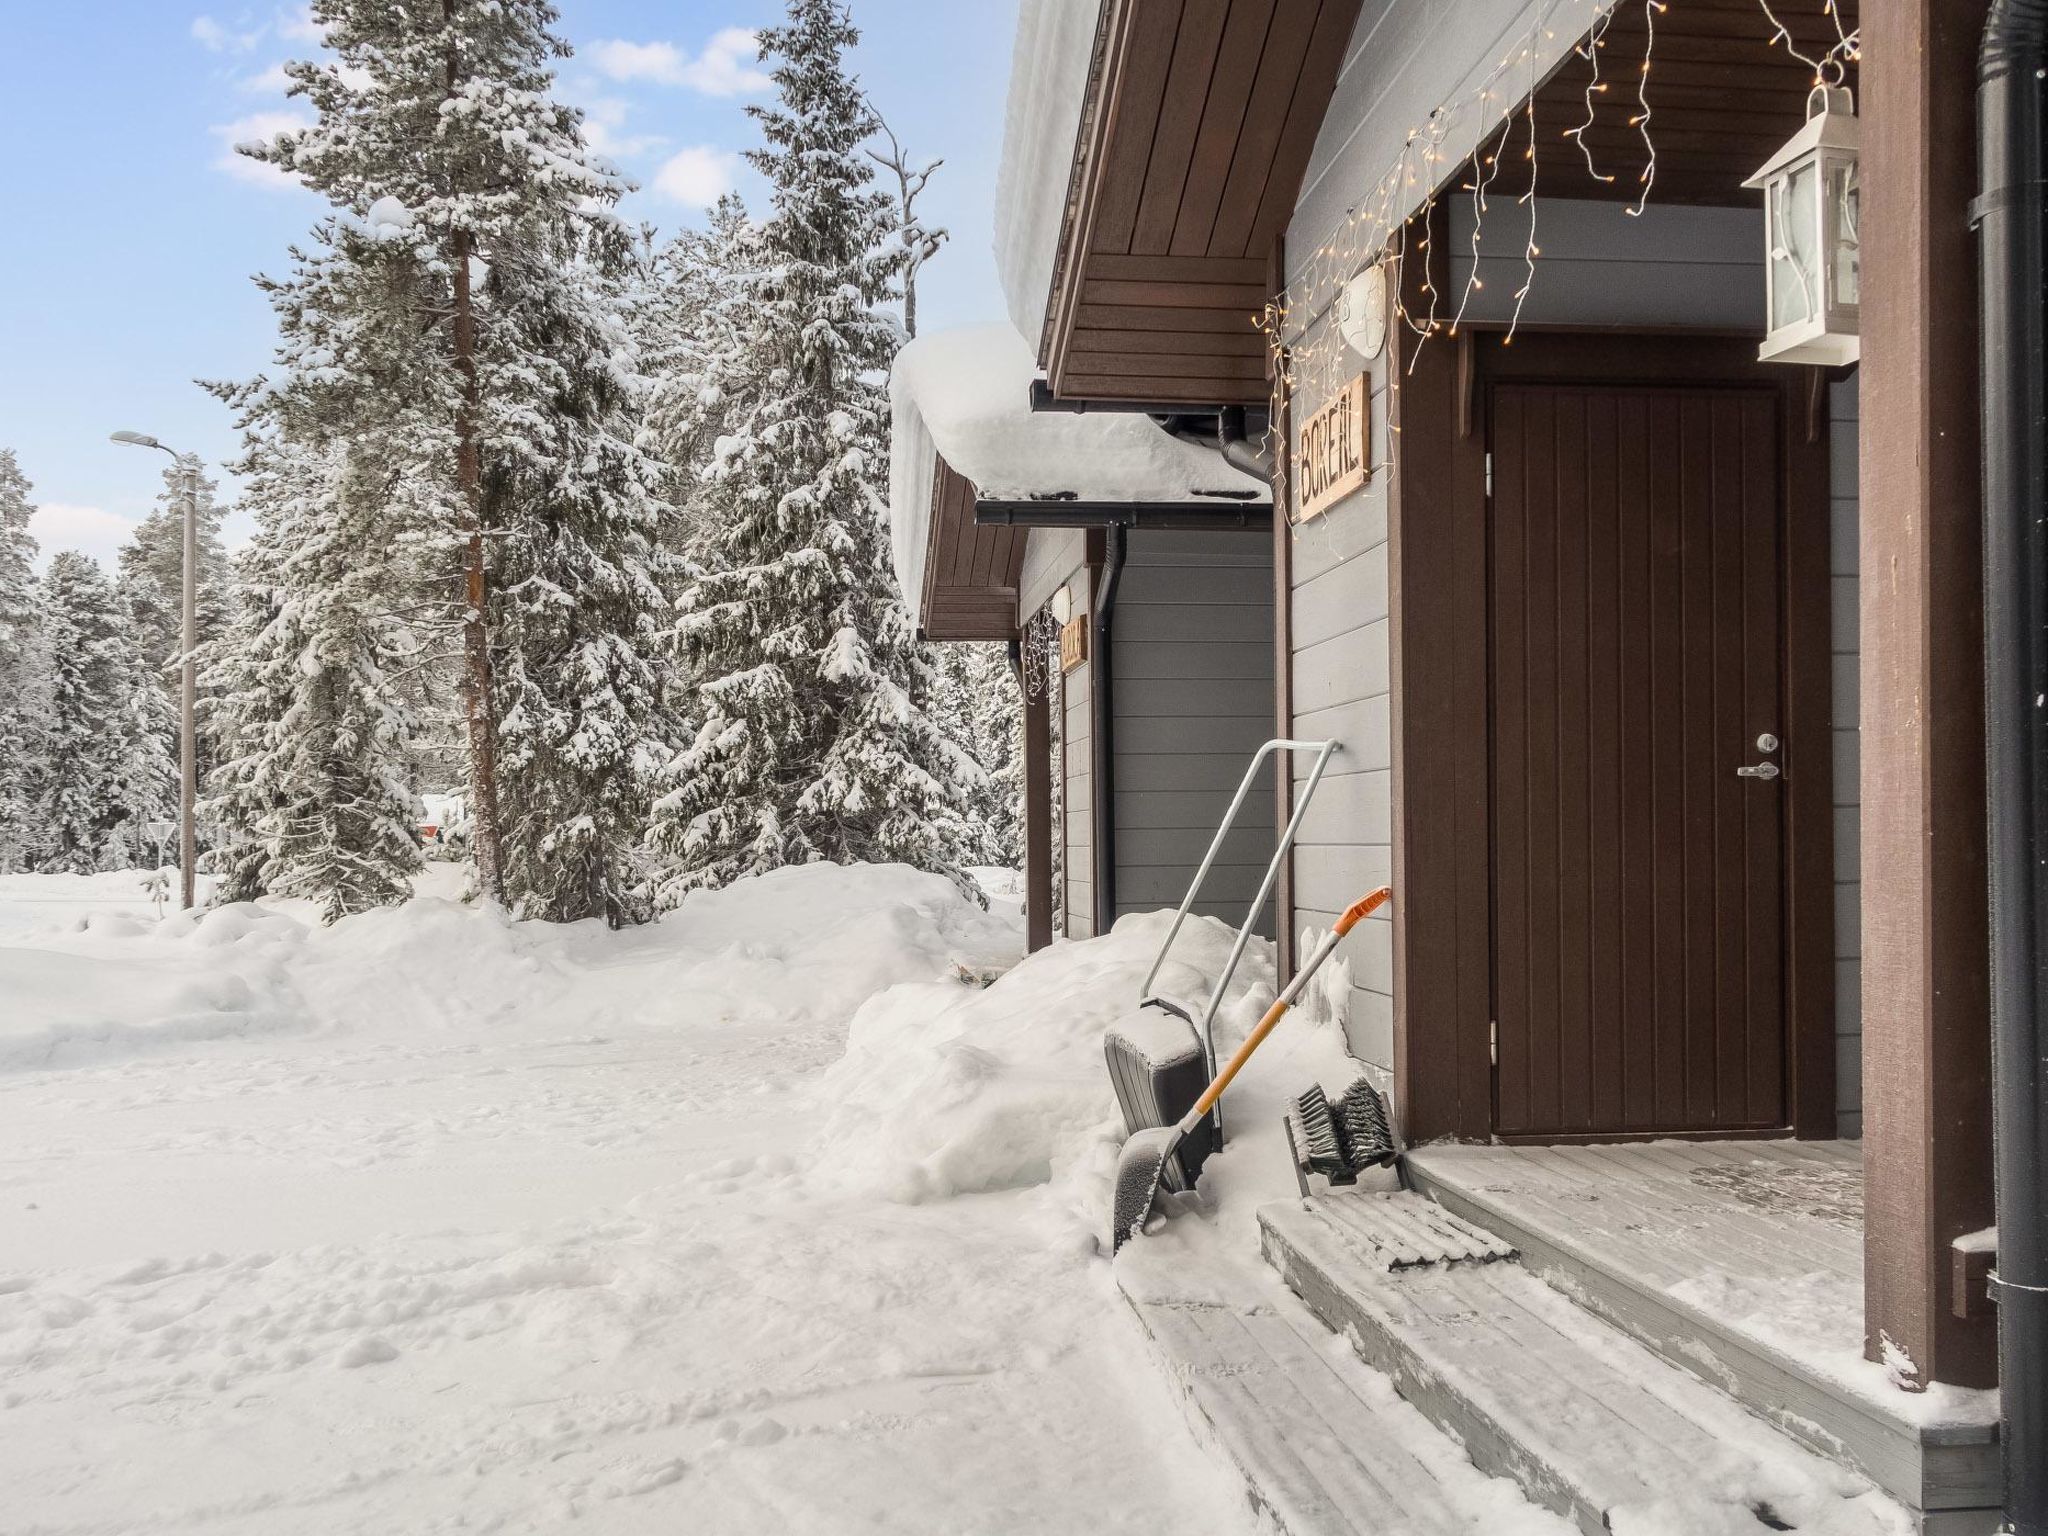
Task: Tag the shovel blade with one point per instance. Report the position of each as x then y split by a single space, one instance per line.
1139 1169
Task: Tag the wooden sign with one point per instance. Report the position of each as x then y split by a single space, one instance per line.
1330 449
1073 643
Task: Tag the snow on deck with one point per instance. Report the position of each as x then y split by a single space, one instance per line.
965 395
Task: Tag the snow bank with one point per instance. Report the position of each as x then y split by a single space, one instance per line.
949 1092
87 982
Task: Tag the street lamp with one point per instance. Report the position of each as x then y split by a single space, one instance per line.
188 756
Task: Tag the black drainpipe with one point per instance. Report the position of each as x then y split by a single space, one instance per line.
1102 785
2009 220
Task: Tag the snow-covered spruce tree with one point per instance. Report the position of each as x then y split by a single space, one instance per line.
979 703
312 787
689 318
495 333
151 575
23 678
815 740
103 773
245 690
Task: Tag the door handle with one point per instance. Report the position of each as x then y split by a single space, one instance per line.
1758 771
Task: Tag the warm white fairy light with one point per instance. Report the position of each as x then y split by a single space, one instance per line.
1590 52
1641 121
1527 200
1830 67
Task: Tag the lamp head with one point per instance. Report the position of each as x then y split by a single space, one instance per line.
139 439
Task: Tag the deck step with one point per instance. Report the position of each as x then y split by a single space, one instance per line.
1623 1229
1587 1421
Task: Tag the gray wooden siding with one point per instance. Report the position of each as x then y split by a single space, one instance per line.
1843 415
1193 657
1050 558
1338 639
1671 265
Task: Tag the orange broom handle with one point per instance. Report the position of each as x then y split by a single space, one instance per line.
1354 914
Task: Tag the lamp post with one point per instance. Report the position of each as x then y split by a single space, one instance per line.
188 756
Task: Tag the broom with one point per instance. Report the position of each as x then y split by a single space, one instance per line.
1143 1160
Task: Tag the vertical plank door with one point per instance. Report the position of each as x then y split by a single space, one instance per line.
1636 647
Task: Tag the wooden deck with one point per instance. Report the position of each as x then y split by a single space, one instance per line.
1742 1262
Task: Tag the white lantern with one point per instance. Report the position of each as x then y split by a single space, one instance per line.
1812 271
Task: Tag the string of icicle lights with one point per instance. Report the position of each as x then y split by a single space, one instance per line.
1379 226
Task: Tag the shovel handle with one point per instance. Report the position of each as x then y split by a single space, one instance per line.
1354 914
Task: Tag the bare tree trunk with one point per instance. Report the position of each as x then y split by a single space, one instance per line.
480 717
476 639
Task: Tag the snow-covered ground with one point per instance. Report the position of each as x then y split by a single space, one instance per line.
433 1221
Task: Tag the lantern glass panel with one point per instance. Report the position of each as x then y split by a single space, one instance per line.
1795 246
1845 257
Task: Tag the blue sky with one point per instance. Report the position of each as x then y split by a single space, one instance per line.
131 230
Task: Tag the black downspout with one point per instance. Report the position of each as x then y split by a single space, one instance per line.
2009 220
1102 776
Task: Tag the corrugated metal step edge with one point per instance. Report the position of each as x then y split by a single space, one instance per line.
1587 1421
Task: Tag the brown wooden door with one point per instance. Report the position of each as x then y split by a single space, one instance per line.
1639 914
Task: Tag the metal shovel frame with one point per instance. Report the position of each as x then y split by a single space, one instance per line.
1323 751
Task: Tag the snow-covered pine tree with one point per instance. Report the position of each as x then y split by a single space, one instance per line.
816 742
689 319
103 774
151 575
979 703
469 193
22 674
245 691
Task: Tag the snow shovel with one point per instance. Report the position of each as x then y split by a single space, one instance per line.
1143 1160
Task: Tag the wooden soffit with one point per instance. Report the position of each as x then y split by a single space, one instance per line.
971 572
1723 96
1197 129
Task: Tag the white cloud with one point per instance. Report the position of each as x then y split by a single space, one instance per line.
215 37
92 531
243 130
726 67
604 123
295 24
696 177
271 82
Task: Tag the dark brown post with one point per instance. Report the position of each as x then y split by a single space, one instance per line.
1436 584
1037 791
1926 1033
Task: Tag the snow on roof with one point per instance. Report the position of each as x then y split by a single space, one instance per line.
1049 69
966 395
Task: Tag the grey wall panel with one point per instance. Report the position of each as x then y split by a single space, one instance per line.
1200 734
1170 698
1351 808
1140 659
1340 682
1051 555
1346 667
1364 727
1669 266
1340 599
1193 694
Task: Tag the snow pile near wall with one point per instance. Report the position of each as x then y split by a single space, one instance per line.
1049 68
802 944
945 1093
